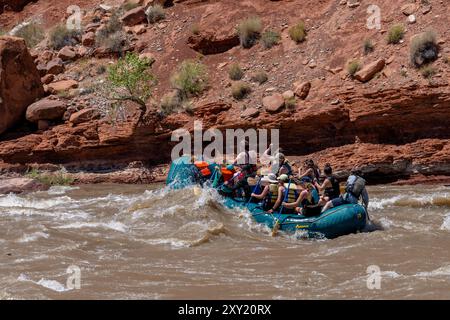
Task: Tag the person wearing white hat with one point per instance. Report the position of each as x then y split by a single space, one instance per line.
270 191
282 189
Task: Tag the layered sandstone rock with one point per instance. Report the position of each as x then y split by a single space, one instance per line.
20 83
46 109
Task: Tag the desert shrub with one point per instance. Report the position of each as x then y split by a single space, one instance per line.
249 31
130 79
235 72
155 13
113 25
353 67
114 43
260 77
368 46
424 48
61 36
290 103
396 33
298 32
101 69
403 73
270 38
59 178
191 78
240 90
428 72
447 60
195 29
31 32
171 102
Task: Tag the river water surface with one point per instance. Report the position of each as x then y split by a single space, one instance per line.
147 242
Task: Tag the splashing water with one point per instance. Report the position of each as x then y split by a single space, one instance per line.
153 242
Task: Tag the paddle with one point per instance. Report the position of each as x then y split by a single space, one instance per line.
286 195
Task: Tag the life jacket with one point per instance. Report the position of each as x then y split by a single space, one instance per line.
292 192
334 191
310 204
357 187
200 165
227 174
271 197
313 196
205 172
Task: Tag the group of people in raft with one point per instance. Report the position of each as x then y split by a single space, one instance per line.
282 190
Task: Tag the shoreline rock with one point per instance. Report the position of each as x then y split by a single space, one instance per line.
21 185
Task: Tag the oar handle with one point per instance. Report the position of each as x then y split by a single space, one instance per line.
286 195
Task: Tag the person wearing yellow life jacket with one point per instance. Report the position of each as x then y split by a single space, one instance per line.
283 184
307 202
270 192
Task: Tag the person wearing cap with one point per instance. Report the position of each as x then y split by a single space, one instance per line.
355 189
282 189
307 201
269 193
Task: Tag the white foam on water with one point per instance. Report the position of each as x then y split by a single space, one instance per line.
33 237
379 204
390 274
446 223
16 201
411 200
49 284
34 258
113 225
59 190
442 271
174 243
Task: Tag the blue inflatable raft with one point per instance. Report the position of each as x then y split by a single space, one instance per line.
342 220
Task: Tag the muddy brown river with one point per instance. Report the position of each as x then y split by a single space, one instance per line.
148 242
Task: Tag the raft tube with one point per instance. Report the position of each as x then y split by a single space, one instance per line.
335 222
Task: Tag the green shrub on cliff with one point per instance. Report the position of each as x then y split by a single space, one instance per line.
130 79
353 67
249 31
424 48
240 90
270 38
396 33
298 32
155 13
60 36
59 178
32 33
191 78
235 72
